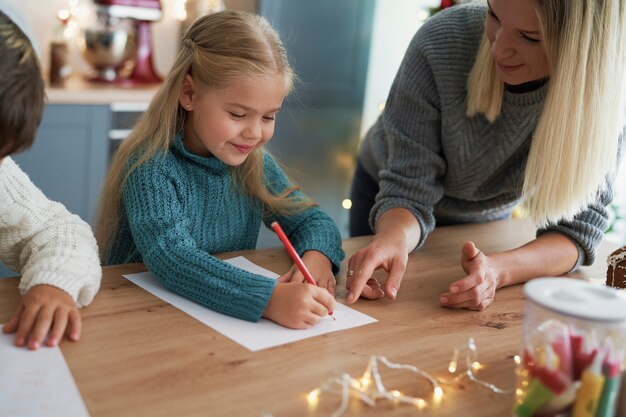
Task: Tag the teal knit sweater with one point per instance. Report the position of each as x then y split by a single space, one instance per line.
179 208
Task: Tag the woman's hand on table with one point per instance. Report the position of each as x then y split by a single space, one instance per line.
478 289
388 252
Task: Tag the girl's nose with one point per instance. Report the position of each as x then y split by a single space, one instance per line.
253 130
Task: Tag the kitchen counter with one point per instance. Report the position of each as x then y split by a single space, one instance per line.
79 91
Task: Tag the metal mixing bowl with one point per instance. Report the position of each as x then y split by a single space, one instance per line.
108 50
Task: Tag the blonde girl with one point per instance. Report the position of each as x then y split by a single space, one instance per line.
193 179
496 105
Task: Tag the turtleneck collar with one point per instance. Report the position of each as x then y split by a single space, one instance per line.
530 93
526 87
210 162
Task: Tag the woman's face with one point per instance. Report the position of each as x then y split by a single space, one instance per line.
512 27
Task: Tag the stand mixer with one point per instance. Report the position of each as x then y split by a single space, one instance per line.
119 48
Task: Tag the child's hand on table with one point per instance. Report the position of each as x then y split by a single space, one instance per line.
44 310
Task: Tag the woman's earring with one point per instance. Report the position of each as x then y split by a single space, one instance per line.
188 106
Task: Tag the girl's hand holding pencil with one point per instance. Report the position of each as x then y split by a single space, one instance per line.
307 310
299 306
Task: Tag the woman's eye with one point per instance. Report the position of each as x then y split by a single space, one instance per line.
237 115
270 118
529 39
492 14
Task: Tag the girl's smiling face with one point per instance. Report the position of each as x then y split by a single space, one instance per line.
229 123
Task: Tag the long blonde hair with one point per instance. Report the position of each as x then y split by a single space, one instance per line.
217 49
575 143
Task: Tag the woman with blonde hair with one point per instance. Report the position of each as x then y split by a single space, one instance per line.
516 102
193 179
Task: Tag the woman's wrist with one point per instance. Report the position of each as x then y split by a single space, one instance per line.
399 227
502 269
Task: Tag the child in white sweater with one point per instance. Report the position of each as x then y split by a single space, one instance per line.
54 250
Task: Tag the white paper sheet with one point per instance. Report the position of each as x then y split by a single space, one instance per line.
36 383
254 336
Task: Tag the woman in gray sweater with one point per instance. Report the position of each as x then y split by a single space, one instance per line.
494 106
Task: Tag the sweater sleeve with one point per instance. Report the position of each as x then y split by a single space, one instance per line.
310 229
411 127
587 228
161 233
42 240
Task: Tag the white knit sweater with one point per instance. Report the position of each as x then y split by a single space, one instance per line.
43 241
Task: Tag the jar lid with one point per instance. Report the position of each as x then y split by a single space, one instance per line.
578 298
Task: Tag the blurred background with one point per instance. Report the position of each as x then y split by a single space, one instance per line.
103 60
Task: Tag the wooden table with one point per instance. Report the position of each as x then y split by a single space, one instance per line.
139 356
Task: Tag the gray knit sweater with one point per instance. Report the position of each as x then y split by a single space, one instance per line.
433 160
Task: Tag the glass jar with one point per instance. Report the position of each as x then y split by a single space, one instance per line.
572 352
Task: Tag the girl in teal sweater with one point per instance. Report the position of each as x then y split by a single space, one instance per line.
193 179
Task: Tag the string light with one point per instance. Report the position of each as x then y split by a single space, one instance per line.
369 387
359 388
453 362
472 364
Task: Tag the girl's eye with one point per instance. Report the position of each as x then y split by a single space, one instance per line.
238 116
270 118
492 14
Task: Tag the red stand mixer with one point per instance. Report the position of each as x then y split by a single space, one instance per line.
120 48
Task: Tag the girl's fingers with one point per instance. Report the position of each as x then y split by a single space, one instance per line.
288 276
58 327
27 321
75 325
11 325
325 299
332 286
319 310
41 327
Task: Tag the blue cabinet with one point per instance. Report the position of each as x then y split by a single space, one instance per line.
68 160
317 130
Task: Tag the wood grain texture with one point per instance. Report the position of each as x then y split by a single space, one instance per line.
139 356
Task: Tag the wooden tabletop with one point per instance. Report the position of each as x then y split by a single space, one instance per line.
139 356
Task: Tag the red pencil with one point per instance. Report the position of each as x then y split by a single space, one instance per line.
294 255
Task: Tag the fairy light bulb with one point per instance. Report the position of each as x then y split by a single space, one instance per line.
366 380
438 395
453 363
420 403
313 396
